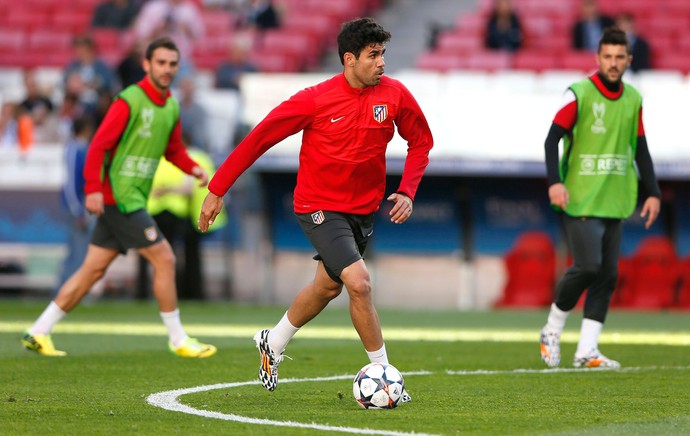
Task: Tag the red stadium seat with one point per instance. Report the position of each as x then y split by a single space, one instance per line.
294 42
489 61
472 24
654 275
535 60
578 60
531 269
672 61
272 62
439 61
12 40
28 19
49 40
73 21
459 42
217 22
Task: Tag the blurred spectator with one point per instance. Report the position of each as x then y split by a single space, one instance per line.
192 115
639 47
260 15
179 19
114 14
105 99
589 28
41 110
230 71
94 73
70 109
16 128
130 69
79 221
503 30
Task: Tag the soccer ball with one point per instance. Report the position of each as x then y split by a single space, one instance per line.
378 386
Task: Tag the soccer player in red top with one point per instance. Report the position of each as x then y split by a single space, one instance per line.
347 122
141 125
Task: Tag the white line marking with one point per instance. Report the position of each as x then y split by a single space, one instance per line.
168 400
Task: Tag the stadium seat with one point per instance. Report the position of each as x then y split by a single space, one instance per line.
73 21
217 22
535 60
438 61
471 24
653 277
27 19
49 40
579 60
531 271
672 61
270 61
489 60
12 40
459 42
294 42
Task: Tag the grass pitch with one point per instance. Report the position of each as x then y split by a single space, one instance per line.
468 373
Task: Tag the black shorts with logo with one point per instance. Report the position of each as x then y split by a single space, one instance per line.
120 231
340 239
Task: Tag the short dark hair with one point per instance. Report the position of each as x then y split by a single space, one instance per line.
358 34
165 42
614 36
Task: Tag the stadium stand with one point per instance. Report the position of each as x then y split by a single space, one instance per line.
547 27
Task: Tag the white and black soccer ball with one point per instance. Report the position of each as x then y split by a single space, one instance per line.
378 386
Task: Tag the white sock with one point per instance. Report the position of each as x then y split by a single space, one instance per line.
45 323
378 356
172 322
556 320
589 337
281 334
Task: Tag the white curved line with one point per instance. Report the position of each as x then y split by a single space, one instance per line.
168 400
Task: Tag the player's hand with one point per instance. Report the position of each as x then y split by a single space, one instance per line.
650 210
402 209
212 206
558 195
201 175
94 203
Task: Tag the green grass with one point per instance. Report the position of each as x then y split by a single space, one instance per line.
461 370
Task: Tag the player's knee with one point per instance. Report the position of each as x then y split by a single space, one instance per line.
589 270
359 287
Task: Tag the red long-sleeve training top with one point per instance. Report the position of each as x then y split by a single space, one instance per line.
342 161
105 141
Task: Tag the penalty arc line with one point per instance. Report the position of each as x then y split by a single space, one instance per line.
169 400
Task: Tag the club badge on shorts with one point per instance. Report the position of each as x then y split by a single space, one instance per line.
151 233
380 112
318 217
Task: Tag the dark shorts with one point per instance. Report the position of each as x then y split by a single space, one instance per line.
340 239
121 232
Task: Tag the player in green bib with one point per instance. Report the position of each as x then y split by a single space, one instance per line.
594 185
141 126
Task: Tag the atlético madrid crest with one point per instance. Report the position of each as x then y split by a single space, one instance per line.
318 217
380 112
